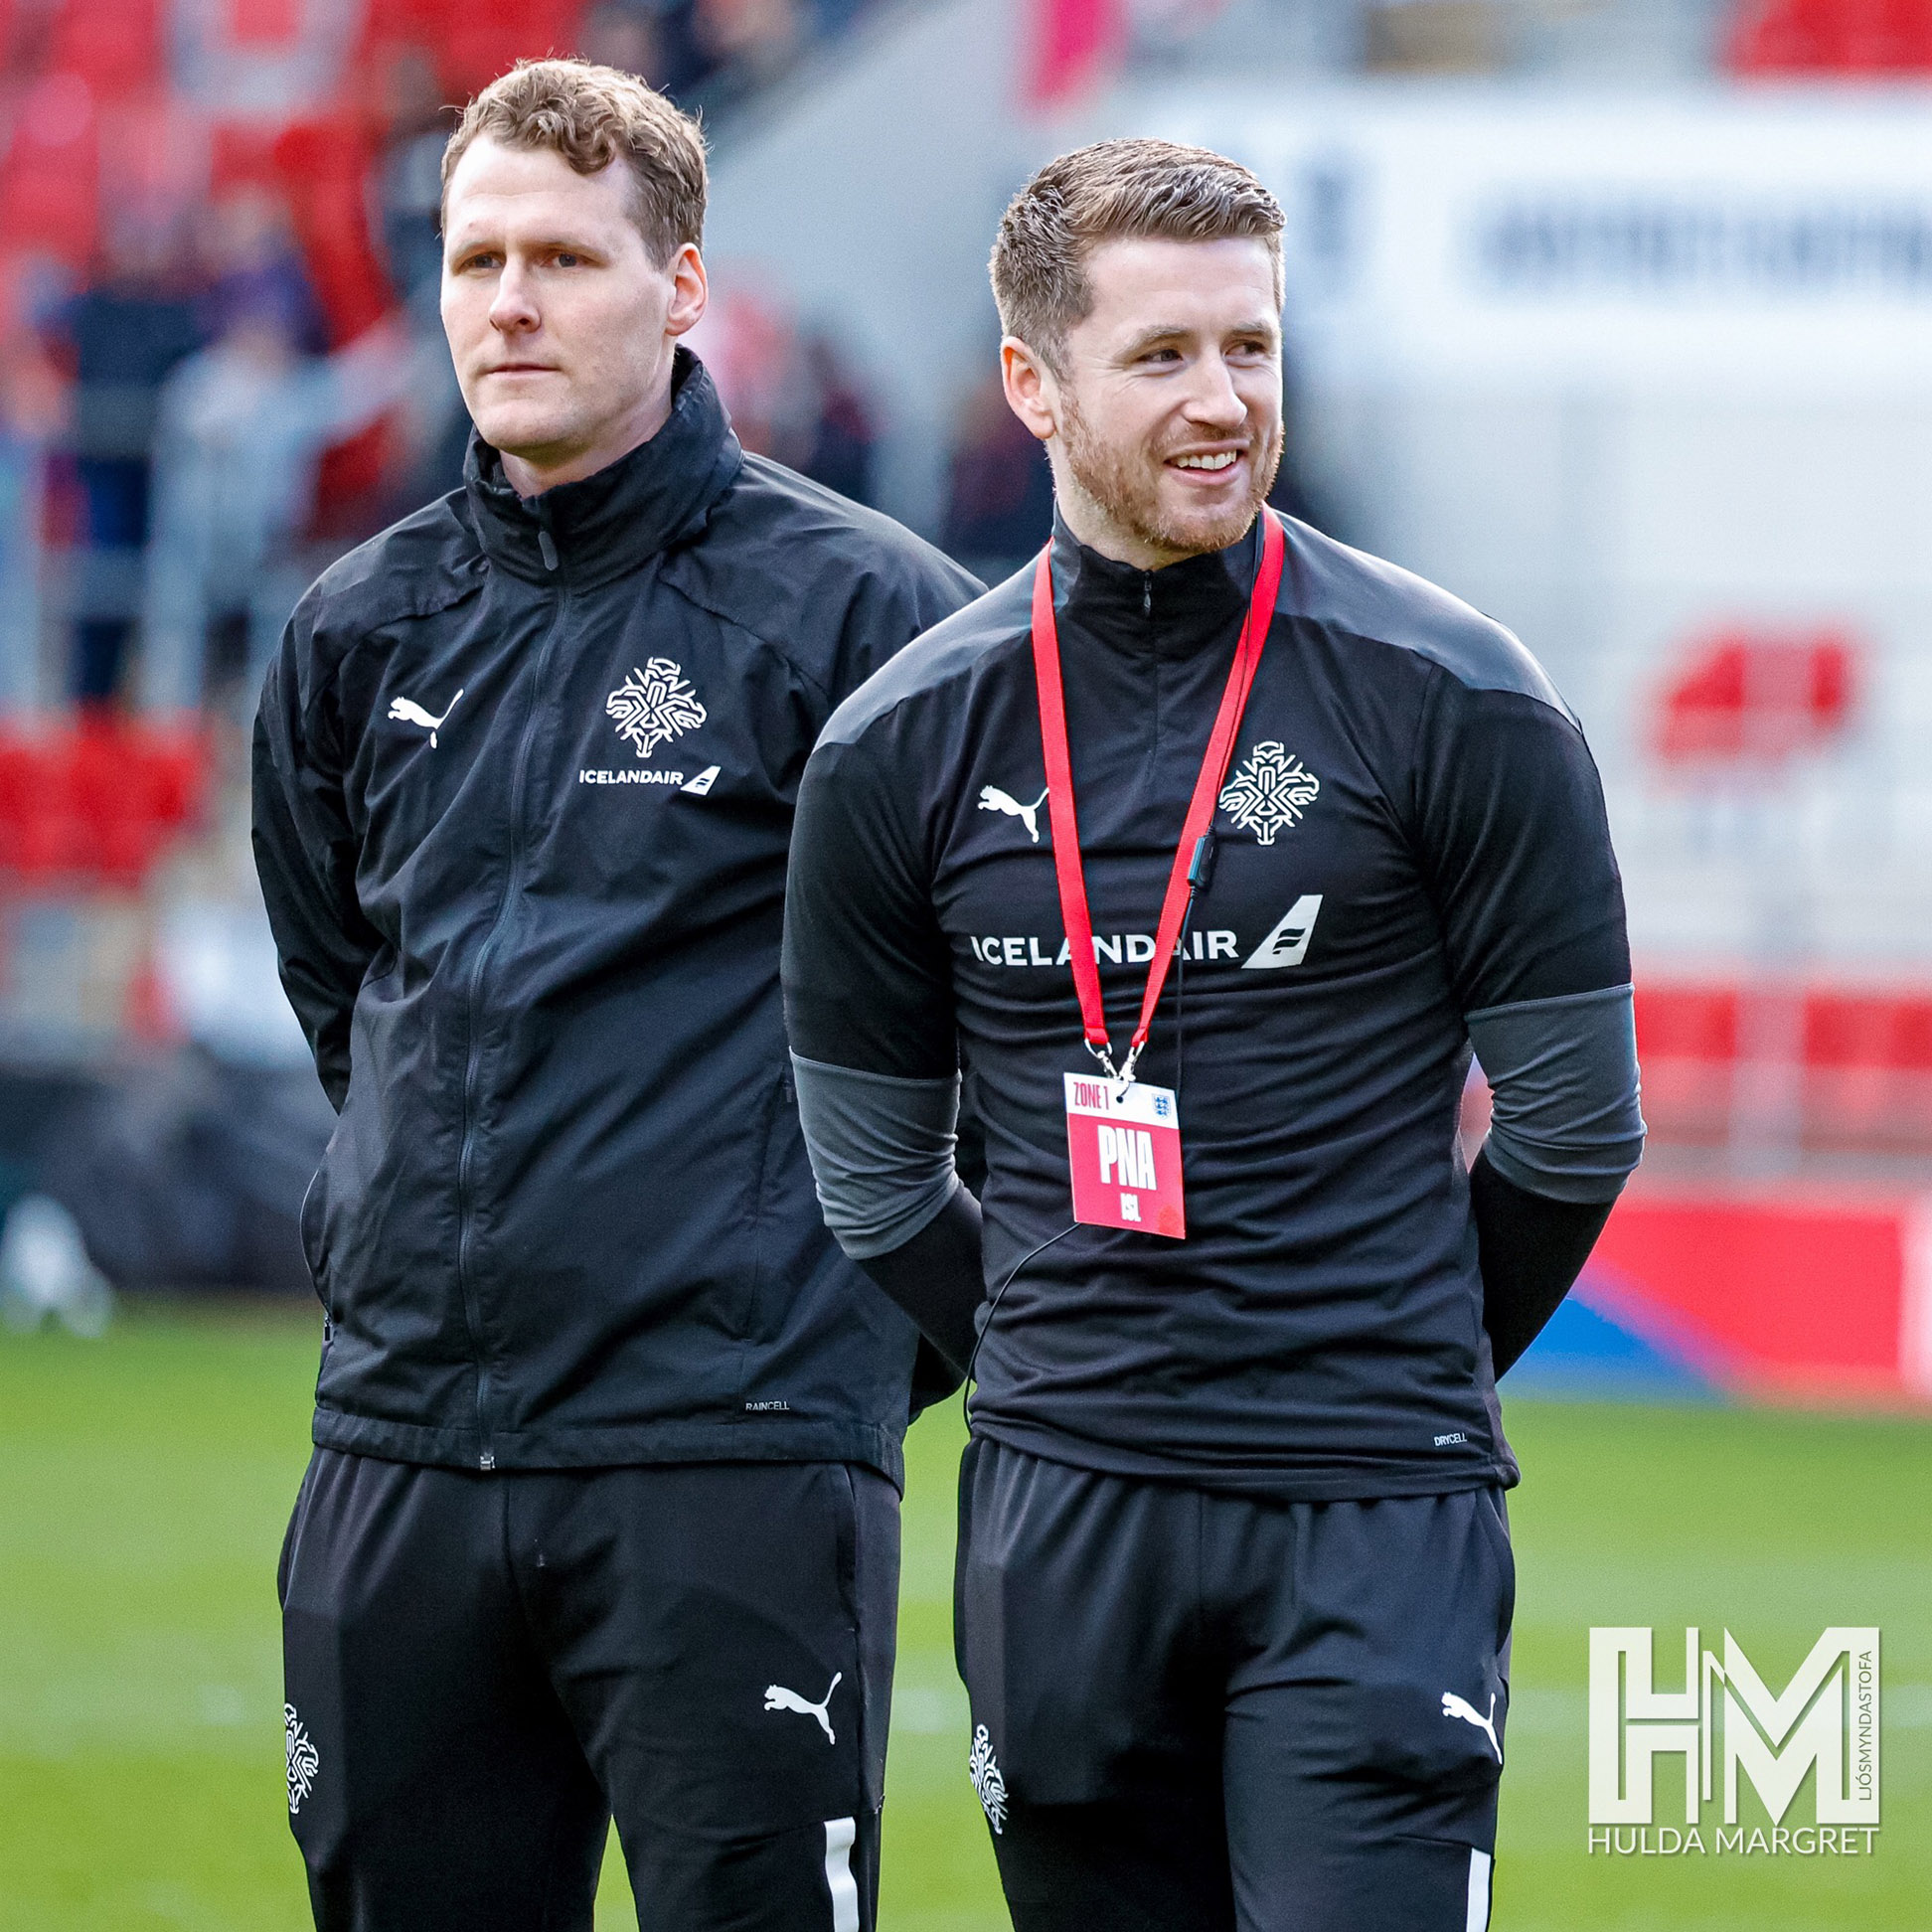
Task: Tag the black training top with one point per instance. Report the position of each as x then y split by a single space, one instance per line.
1412 831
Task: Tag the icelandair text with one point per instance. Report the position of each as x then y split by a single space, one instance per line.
1109 949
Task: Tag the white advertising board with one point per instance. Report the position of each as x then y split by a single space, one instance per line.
1631 373
1734 238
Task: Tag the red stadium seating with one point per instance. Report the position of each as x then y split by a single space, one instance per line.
114 46
473 41
322 168
49 180
98 803
1074 44
110 54
1862 1060
265 23
1754 697
1882 38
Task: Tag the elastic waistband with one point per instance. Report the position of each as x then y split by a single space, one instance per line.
775 1438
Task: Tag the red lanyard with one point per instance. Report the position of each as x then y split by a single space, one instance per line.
1201 808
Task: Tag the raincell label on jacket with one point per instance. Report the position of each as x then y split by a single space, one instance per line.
639 777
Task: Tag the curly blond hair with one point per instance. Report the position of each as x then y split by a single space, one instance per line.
593 115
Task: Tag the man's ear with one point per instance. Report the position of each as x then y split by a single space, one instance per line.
689 290
1030 391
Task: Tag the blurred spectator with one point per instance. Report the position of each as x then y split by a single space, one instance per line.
751 346
408 181
241 428
124 333
628 35
1000 503
843 433
255 266
744 43
791 396
435 424
29 414
280 60
238 82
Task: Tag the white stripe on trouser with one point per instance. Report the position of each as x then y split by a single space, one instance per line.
1479 1890
838 1834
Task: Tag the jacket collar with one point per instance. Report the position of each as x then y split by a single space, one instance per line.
618 519
1171 612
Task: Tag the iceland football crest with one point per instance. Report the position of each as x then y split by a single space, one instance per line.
653 706
303 1758
1271 790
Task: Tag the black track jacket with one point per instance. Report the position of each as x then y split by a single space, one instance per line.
1411 834
524 782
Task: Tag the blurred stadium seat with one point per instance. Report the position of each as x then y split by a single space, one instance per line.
473 40
114 46
1747 697
1863 1059
1874 38
49 181
98 803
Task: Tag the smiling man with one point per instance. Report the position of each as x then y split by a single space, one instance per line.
1234 1586
602 1513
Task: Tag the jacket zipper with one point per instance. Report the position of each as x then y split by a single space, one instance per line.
512 879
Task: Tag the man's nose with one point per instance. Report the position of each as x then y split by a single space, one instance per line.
514 306
1213 398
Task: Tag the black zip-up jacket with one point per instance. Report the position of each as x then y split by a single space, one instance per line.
524 782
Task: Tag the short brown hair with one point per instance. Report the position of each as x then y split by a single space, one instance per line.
591 115
1115 191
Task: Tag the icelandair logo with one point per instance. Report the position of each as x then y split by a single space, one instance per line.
1286 945
698 787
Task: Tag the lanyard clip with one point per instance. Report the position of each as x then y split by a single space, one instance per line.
1119 1078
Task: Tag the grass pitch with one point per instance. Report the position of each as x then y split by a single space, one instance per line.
145 1481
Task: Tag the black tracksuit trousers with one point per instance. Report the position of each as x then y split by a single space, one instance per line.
1197 1712
482 1668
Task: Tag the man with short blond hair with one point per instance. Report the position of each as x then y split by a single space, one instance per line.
602 1515
594 117
1206 847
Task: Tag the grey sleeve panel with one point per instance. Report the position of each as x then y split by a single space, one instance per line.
1564 1072
881 1150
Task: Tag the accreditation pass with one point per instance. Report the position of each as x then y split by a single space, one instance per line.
1125 1152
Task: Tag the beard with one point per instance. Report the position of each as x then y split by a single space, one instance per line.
1124 480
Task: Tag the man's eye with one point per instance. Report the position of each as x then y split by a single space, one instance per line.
474 262
566 260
